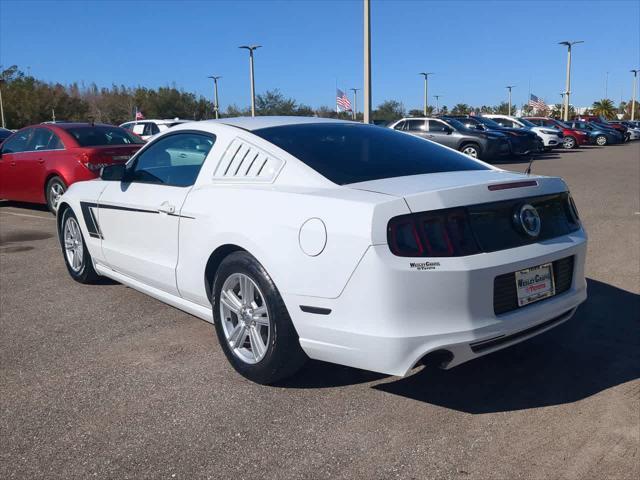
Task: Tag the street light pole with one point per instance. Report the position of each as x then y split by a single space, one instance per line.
426 90
509 87
562 105
251 49
567 92
437 97
366 113
633 96
216 105
355 102
2 109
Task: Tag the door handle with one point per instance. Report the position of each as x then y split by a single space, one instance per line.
182 155
13 164
41 160
166 207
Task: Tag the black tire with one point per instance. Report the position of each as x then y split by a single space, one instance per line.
569 143
468 147
601 140
85 273
284 356
54 185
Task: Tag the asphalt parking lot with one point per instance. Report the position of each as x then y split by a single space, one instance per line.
104 381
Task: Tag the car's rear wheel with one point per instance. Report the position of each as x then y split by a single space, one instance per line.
252 322
55 189
568 143
601 140
76 254
471 149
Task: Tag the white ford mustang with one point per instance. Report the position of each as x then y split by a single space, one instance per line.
349 243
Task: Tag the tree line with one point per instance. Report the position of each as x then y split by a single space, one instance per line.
28 100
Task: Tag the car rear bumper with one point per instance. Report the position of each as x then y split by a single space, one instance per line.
396 310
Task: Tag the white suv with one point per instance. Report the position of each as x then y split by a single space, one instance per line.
148 128
551 137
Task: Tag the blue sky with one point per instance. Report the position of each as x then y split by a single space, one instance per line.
475 47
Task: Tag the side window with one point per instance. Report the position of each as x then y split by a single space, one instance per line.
128 126
150 128
401 125
138 128
172 160
40 140
416 126
436 126
55 143
504 122
18 142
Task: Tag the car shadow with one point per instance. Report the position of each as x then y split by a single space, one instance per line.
23 205
597 349
316 374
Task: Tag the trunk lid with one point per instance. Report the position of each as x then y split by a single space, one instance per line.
454 189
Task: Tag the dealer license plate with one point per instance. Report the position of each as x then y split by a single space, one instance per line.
535 284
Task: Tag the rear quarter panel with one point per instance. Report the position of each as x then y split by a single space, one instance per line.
266 222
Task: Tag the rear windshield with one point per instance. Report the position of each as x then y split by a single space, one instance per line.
350 153
102 135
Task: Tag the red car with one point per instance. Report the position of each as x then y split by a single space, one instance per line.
38 163
572 138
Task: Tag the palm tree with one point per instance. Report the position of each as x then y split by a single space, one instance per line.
461 109
604 107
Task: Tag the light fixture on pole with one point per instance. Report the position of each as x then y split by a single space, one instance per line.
633 95
251 49
355 102
567 91
437 97
426 89
216 105
509 87
366 112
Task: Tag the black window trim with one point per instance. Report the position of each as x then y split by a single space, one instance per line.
131 163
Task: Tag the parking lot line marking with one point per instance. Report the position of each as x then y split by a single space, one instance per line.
27 215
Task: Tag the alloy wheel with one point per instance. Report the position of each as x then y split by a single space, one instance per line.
73 245
245 318
55 193
471 151
601 140
568 143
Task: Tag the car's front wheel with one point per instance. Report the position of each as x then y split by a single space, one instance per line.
76 254
252 321
471 149
601 140
568 143
55 189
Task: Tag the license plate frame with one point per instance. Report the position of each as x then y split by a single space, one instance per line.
534 284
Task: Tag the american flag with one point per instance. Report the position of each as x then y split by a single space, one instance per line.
342 102
139 115
537 103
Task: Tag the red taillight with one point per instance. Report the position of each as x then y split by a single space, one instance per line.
442 233
93 161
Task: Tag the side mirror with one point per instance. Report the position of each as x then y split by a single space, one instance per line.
448 130
113 172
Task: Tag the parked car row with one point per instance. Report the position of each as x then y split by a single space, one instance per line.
38 163
492 136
